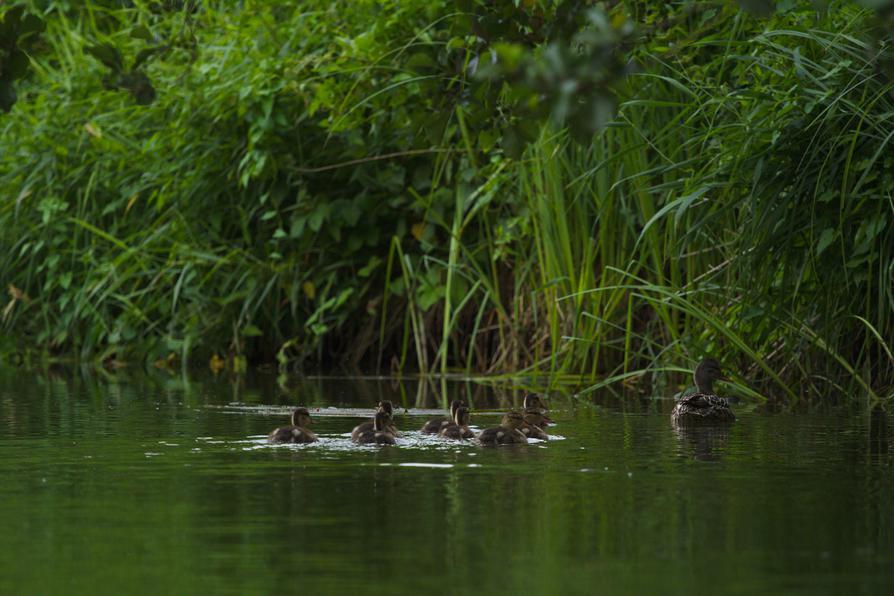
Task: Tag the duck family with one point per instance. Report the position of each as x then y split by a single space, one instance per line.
702 407
515 427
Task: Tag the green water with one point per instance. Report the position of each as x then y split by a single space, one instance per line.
158 485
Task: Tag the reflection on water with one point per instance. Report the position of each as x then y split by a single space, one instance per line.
162 482
706 442
878 432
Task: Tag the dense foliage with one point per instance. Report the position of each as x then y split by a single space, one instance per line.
578 189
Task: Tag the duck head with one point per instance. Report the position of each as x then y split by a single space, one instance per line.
533 400
382 420
708 371
454 406
386 406
301 417
462 416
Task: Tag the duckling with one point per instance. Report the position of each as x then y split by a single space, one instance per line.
296 432
535 411
536 417
508 431
533 424
532 400
460 427
704 405
385 406
435 425
379 433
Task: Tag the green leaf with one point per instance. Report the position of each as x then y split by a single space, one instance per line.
371 266
317 218
144 55
108 55
456 43
509 54
297 227
825 239
487 138
349 213
142 32
251 331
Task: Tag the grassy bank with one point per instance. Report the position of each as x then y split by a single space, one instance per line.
345 185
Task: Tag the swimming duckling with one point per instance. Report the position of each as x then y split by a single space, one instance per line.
532 400
460 427
385 406
508 431
536 417
535 411
379 433
436 425
704 405
296 432
533 424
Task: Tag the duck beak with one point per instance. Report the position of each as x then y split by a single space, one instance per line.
725 379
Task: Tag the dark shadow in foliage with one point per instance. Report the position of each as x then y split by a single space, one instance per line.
133 80
18 31
555 63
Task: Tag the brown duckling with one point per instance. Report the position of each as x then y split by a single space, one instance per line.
532 400
436 425
460 427
536 417
704 405
508 431
534 421
296 432
385 406
379 433
535 411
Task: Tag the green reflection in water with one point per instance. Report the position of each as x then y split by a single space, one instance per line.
158 485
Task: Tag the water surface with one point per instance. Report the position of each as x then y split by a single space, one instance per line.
158 484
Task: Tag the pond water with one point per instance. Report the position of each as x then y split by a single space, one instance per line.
163 485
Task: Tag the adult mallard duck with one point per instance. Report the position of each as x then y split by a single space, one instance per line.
296 432
384 406
379 433
460 427
436 425
704 405
508 432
